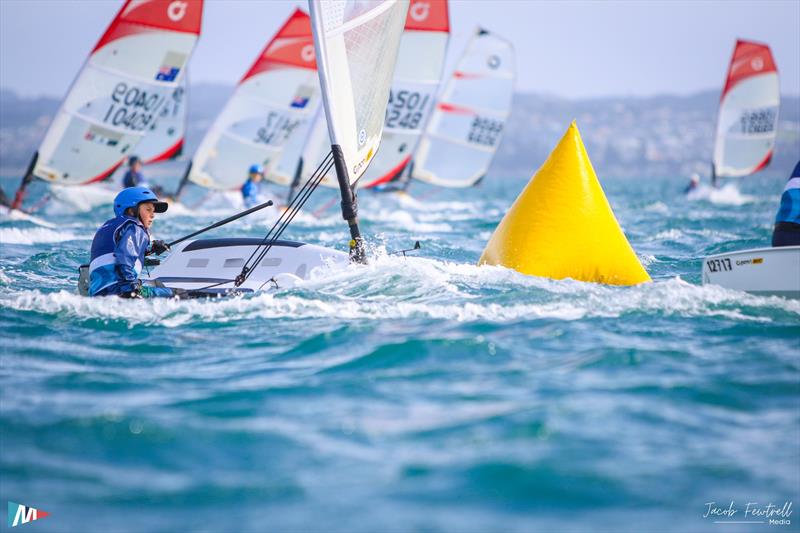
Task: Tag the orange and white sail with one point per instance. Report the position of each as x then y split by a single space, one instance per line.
130 76
748 113
470 116
268 112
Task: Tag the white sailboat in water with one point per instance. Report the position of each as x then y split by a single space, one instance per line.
356 44
125 84
744 143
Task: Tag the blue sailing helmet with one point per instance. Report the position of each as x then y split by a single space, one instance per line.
256 169
133 196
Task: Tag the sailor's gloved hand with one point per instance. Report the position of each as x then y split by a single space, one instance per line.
158 247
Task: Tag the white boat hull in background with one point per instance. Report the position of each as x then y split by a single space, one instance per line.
197 264
762 271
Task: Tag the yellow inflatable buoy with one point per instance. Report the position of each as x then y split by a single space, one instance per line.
561 225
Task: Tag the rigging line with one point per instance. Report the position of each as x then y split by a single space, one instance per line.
303 195
288 221
289 208
290 217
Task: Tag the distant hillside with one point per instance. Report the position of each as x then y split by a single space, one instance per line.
662 135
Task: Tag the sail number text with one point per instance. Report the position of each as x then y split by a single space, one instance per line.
757 121
132 107
719 265
406 109
276 129
485 131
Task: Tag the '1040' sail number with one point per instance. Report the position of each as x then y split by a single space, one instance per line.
133 108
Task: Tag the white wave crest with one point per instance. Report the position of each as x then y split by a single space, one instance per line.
32 236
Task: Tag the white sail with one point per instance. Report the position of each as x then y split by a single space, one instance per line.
164 139
748 114
267 112
467 125
420 64
129 77
357 44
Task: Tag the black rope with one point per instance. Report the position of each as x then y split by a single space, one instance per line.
281 224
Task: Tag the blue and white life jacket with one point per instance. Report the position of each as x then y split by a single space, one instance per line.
115 268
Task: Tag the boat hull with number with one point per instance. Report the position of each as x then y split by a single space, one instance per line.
762 271
201 263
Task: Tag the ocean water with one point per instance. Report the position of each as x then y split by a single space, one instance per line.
417 394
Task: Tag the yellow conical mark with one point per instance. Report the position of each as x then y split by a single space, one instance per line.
561 225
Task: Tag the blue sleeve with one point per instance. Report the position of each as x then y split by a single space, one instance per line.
130 247
250 194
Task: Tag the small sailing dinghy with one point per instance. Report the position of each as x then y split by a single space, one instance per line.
745 140
356 45
125 84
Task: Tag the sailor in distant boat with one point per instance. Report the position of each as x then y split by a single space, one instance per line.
121 244
251 189
787 221
134 177
694 183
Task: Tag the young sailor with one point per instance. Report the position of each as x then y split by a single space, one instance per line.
252 187
119 247
134 177
694 182
787 221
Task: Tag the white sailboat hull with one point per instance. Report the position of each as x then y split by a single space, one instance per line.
198 264
763 271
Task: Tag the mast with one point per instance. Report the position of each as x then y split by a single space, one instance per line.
349 206
26 180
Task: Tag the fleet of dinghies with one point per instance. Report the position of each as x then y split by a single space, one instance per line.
351 96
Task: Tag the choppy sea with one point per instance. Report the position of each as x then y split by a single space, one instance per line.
412 394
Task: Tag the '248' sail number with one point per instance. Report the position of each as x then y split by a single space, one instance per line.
406 109
132 107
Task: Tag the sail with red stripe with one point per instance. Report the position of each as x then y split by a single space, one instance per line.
268 113
466 127
128 80
748 113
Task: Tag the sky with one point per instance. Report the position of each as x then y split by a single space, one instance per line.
572 49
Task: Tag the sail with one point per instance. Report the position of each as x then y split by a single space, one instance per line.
420 65
267 111
164 139
748 112
357 44
129 77
467 125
